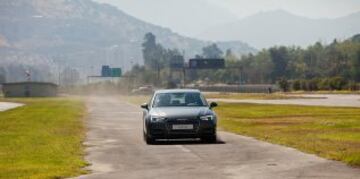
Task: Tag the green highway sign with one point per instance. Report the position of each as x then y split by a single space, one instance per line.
116 72
110 72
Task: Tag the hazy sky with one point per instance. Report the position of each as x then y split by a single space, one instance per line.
308 8
241 8
191 17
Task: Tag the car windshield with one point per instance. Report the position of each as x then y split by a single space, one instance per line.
179 99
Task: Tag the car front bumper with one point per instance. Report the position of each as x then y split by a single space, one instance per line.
163 130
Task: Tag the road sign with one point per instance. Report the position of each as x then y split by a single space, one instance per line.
206 63
116 72
177 62
106 71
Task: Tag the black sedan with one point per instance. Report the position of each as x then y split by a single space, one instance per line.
174 114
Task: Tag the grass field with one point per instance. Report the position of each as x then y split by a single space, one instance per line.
332 133
139 99
42 139
256 96
326 92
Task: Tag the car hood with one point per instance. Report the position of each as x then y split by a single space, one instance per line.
173 112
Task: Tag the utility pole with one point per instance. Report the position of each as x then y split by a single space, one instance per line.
59 74
184 76
28 75
133 82
184 68
240 75
158 74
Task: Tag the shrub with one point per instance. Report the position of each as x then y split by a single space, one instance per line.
296 85
324 84
313 84
284 84
304 85
337 83
353 86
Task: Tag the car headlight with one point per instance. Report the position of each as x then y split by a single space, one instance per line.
157 119
207 118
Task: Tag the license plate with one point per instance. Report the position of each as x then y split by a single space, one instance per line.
183 127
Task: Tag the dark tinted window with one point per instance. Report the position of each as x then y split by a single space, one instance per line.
179 99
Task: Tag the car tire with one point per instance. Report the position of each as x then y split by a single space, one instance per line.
209 139
149 140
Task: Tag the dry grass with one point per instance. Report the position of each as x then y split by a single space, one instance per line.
329 132
42 139
326 92
256 96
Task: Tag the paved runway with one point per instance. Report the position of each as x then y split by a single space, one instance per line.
116 150
4 106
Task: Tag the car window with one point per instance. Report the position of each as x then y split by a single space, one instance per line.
179 99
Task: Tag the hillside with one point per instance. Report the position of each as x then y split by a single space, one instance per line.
84 34
279 27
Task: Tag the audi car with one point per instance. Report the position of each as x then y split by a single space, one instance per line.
179 114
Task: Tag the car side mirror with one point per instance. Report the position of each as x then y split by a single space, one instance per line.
213 104
145 106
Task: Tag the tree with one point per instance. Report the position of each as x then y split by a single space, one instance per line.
334 61
314 67
280 59
153 53
262 67
284 84
212 51
337 83
356 38
355 67
150 41
296 85
174 56
149 46
311 60
2 75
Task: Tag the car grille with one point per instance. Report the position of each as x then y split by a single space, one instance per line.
176 121
157 125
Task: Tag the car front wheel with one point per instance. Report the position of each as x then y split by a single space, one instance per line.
149 140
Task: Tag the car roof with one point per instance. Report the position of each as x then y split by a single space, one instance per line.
178 91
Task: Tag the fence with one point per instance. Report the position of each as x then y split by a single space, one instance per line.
240 88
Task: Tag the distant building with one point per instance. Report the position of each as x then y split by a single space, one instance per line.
29 89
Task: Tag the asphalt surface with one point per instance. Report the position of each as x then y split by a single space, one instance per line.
318 100
4 106
115 149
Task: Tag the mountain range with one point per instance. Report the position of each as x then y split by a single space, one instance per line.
280 27
83 34
186 17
